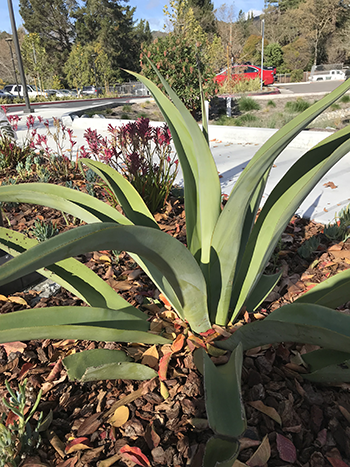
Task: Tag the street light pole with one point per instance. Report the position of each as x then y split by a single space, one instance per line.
9 40
19 58
262 53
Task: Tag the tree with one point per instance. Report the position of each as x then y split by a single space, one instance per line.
35 60
297 54
273 55
179 61
319 18
252 49
204 13
109 23
51 20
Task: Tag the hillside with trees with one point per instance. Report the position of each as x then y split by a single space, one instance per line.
69 44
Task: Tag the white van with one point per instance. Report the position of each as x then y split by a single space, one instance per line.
13 89
327 75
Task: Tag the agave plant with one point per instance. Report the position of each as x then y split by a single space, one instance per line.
207 283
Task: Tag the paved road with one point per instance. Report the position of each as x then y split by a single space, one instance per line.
310 87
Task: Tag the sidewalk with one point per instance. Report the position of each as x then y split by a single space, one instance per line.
232 148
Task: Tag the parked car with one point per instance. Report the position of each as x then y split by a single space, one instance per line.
91 90
32 91
327 75
50 92
66 93
6 95
247 72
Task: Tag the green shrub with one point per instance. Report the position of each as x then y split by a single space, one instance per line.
246 104
296 76
271 103
127 108
345 99
297 106
335 107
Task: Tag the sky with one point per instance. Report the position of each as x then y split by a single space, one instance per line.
150 10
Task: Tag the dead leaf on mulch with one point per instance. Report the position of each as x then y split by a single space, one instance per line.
163 365
286 449
135 455
150 357
120 416
269 411
261 455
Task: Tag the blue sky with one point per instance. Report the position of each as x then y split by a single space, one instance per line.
151 10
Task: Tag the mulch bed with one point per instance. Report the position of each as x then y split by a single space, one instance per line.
293 421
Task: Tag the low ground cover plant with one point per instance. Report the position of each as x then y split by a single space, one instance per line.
208 283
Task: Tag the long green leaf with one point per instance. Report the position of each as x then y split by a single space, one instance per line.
223 400
327 366
167 254
303 323
332 292
232 219
133 205
72 275
92 333
281 205
77 363
127 370
198 167
74 202
261 290
75 315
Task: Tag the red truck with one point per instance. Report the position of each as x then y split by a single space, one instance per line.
247 72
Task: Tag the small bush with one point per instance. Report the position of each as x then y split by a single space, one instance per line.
245 119
246 104
297 106
126 108
271 103
124 117
296 76
335 107
345 99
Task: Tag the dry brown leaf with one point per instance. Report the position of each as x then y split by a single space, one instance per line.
163 390
110 461
119 285
261 455
3 298
18 300
120 416
151 357
269 411
16 346
104 259
134 274
330 185
345 412
238 463
245 443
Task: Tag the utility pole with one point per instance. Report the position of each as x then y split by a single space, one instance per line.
9 40
262 53
28 109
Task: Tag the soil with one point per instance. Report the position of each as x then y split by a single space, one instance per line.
272 113
295 422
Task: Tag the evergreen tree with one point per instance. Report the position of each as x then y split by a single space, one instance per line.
51 20
109 23
204 13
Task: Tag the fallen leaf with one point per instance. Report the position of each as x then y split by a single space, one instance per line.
178 343
286 449
150 357
119 417
261 455
238 463
14 347
152 437
90 425
55 372
104 259
245 443
77 444
163 365
330 185
336 462
269 411
110 461
135 455
166 302
18 300
164 390
3 298
57 444
25 368
69 462
345 412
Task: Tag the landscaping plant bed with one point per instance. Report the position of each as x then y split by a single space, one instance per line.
290 420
